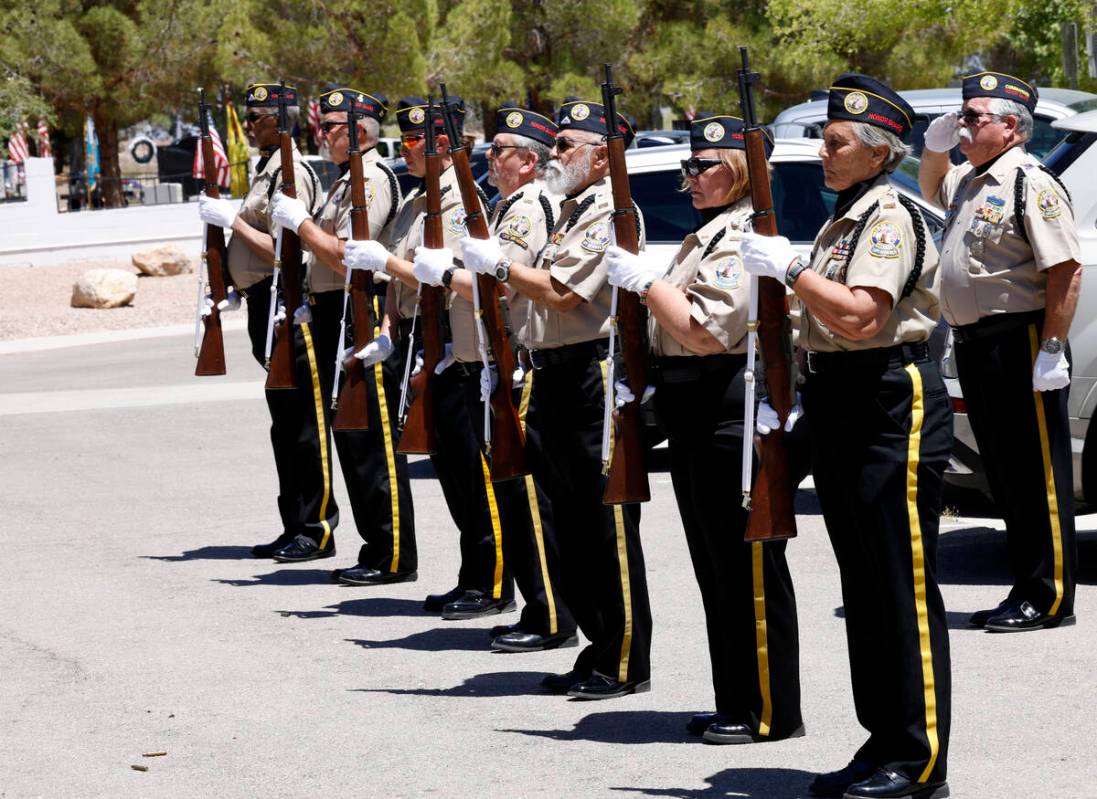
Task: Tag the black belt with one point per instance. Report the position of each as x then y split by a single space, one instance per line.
584 350
691 368
990 326
857 360
468 368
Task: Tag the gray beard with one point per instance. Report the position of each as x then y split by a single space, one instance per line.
565 180
965 135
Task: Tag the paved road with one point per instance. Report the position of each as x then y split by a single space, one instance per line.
133 621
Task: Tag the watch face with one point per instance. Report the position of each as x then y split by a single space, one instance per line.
501 272
1052 346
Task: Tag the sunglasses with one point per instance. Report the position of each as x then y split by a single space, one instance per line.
563 144
254 117
970 117
497 149
693 167
328 127
409 140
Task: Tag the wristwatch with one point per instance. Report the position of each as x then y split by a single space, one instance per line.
794 272
502 270
447 276
1052 346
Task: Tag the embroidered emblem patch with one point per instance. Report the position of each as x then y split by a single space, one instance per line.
596 238
335 98
457 221
714 131
513 120
517 230
886 240
855 102
988 82
1048 201
729 272
417 115
260 93
580 111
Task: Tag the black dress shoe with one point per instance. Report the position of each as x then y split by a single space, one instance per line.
1022 617
835 783
519 641
268 550
435 602
502 629
699 722
723 731
303 548
980 617
887 784
475 604
562 683
599 686
364 575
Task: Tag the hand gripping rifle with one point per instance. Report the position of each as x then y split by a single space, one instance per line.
418 435
627 477
772 515
287 258
506 448
352 408
211 352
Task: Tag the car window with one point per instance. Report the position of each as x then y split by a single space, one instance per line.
668 214
1044 137
801 199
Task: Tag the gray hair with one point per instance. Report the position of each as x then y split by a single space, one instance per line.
537 148
999 106
371 128
873 136
293 113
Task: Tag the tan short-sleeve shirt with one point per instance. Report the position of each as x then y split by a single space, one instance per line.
574 257
245 267
882 258
709 270
987 267
334 216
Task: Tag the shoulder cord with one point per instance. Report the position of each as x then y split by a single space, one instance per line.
550 218
919 238
712 244
1019 198
504 206
315 181
573 220
394 191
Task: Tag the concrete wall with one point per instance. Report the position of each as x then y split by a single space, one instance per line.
36 234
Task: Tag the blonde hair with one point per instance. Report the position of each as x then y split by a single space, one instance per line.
735 161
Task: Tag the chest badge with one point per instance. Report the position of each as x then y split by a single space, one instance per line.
840 250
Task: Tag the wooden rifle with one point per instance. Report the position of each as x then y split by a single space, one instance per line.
211 353
417 437
507 442
772 513
627 477
352 405
283 372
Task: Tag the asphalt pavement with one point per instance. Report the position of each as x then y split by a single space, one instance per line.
133 622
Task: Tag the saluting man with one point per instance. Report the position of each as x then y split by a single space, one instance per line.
375 474
566 331
522 220
483 585
1011 277
299 430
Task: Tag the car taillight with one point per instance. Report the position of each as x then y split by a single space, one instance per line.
958 405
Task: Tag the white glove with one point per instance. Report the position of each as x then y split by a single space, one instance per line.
633 272
767 256
1050 371
622 394
302 316
766 420
429 265
447 360
519 377
288 212
943 133
369 255
230 303
481 255
376 351
418 367
280 314
216 212
488 381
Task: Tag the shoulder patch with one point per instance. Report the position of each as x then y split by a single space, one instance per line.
596 238
729 272
517 229
457 221
887 240
1048 203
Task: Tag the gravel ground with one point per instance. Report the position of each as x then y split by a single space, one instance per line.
36 301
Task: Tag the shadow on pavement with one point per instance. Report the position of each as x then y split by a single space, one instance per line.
285 577
438 639
973 556
205 553
372 606
491 685
955 619
761 783
623 727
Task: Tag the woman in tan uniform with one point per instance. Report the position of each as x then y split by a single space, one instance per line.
698 328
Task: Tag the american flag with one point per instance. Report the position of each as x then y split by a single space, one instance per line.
44 149
17 144
219 158
314 120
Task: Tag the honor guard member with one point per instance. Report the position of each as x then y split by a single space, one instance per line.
483 585
375 474
698 305
880 426
523 220
602 563
299 430
1010 283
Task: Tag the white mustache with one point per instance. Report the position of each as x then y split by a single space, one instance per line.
965 135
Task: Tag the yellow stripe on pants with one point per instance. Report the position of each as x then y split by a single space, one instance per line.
761 633
622 564
535 514
496 530
321 430
914 444
1049 482
390 461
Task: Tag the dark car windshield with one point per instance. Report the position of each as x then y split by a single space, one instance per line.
1068 150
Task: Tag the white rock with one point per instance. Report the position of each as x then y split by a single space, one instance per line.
104 288
162 261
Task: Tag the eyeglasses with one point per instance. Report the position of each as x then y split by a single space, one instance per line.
328 127
693 167
971 117
409 140
253 117
497 149
563 144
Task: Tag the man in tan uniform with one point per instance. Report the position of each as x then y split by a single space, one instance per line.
522 220
566 330
1011 279
299 431
483 585
375 474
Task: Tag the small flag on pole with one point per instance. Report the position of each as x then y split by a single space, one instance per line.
314 120
219 158
44 148
17 144
238 153
91 153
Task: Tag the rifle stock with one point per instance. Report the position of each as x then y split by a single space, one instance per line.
353 410
772 513
627 478
283 372
211 354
